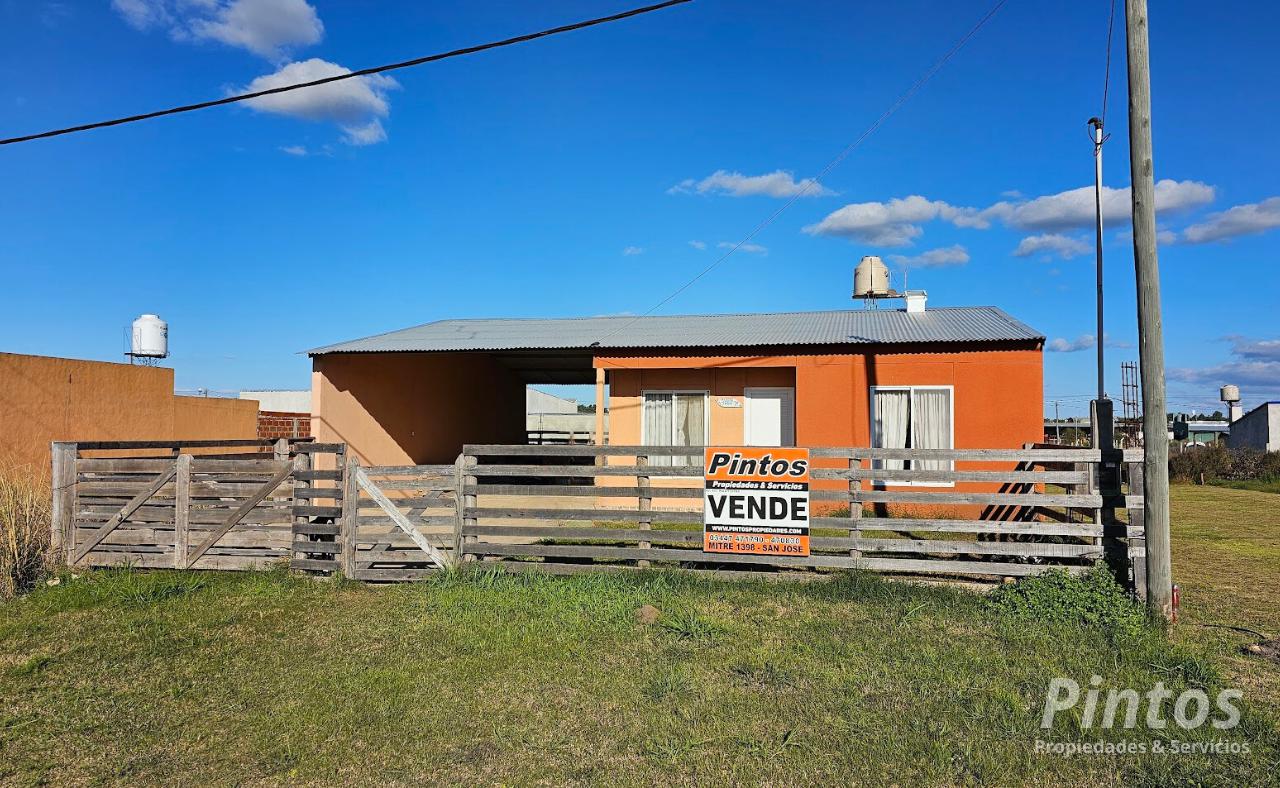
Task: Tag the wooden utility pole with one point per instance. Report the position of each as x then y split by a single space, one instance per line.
1150 330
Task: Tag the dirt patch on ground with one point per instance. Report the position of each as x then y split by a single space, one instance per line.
1268 649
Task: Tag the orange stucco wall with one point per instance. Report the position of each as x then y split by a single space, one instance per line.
44 399
997 398
414 408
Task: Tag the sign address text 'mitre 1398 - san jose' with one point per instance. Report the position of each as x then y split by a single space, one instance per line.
756 501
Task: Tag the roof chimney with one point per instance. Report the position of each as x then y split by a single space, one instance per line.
915 301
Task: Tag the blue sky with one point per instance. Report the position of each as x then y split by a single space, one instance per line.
594 173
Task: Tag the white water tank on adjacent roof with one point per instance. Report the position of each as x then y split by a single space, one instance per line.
870 278
150 337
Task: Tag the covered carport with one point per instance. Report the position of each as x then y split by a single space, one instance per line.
417 396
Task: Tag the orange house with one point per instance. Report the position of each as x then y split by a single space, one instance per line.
952 377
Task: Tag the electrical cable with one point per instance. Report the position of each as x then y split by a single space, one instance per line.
364 72
811 182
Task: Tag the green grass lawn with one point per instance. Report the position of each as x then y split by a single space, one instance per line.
483 678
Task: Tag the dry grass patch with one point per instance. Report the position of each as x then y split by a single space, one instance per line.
24 529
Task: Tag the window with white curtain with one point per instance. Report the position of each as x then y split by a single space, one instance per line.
675 418
912 417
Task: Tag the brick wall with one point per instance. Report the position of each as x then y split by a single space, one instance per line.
276 424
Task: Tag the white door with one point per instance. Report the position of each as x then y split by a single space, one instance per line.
769 417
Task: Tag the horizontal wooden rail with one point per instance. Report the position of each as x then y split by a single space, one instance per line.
602 515
587 491
930 475
682 471
183 444
973 455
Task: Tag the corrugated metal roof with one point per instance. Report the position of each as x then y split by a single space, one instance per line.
859 327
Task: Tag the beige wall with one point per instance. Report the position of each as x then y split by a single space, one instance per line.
214 418
414 408
44 399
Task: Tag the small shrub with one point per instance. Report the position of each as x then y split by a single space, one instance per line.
688 625
1218 463
24 530
668 683
1092 599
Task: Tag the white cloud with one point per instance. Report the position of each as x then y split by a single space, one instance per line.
143 14
898 221
357 105
1082 342
1048 244
269 28
1264 375
893 223
1060 345
778 183
746 247
265 27
1248 219
294 150
1255 349
934 258
699 245
1254 365
632 251
1074 208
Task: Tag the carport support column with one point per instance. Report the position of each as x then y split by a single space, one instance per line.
599 440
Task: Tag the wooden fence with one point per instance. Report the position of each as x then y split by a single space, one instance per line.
985 513
972 513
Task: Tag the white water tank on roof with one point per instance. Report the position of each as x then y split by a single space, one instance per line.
1230 393
870 278
150 337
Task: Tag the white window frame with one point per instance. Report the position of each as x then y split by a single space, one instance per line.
746 410
871 413
706 419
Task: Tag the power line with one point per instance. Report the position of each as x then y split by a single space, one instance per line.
850 148
364 72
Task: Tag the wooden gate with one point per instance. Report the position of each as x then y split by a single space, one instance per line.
398 522
231 509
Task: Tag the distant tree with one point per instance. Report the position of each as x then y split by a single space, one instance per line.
586 408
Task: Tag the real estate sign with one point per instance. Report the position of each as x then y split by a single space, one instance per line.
756 501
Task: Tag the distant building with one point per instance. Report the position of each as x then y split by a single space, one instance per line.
1202 432
1257 429
281 400
282 413
537 401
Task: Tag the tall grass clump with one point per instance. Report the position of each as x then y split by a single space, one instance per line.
1093 599
24 529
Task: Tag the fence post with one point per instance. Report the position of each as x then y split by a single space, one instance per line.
300 463
350 520
1137 532
181 511
62 535
457 510
468 502
1115 548
645 501
855 509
